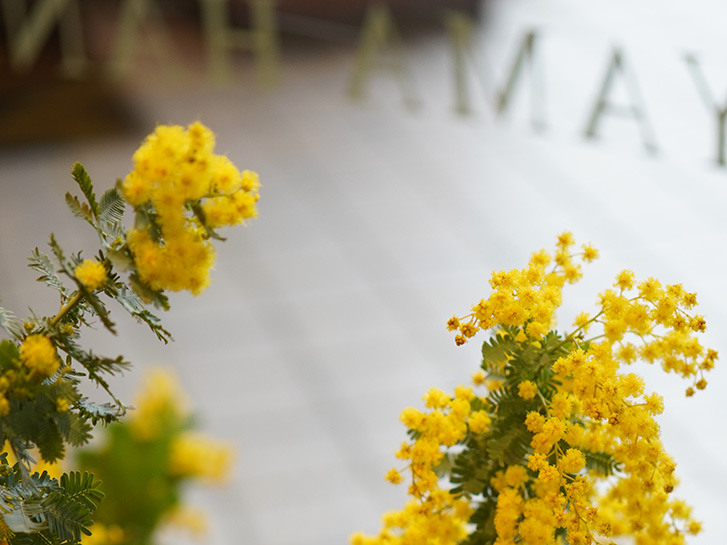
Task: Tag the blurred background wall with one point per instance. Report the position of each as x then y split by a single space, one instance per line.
398 169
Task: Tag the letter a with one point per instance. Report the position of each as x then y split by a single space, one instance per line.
636 110
378 34
133 14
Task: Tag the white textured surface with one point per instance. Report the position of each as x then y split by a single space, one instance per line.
326 315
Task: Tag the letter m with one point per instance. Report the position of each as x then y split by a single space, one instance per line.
459 27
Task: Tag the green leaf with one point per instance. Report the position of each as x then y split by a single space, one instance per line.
42 263
506 401
60 256
111 207
95 365
496 351
104 412
198 211
49 440
111 214
602 463
484 520
41 538
20 447
93 303
79 209
147 294
133 304
10 323
66 518
74 428
83 488
509 446
31 424
84 182
147 219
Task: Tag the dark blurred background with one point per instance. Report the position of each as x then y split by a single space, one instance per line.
41 101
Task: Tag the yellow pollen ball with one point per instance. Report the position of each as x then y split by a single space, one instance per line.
527 390
39 355
91 274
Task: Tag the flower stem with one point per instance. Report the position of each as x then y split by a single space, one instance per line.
66 308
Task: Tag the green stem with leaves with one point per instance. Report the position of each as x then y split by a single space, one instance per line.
67 307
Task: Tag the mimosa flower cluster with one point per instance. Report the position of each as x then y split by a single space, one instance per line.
39 356
162 411
182 191
555 441
159 436
92 274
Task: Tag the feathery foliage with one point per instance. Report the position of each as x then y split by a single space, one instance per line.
44 366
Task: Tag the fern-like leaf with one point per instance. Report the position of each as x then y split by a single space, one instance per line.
509 447
66 519
74 429
134 305
507 401
49 440
80 209
40 538
59 255
497 350
484 520
42 263
198 211
44 480
99 309
84 182
602 463
10 323
110 214
30 426
83 488
104 412
94 364
111 207
147 294
68 511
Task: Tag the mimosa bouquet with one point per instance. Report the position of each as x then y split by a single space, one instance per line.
555 441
